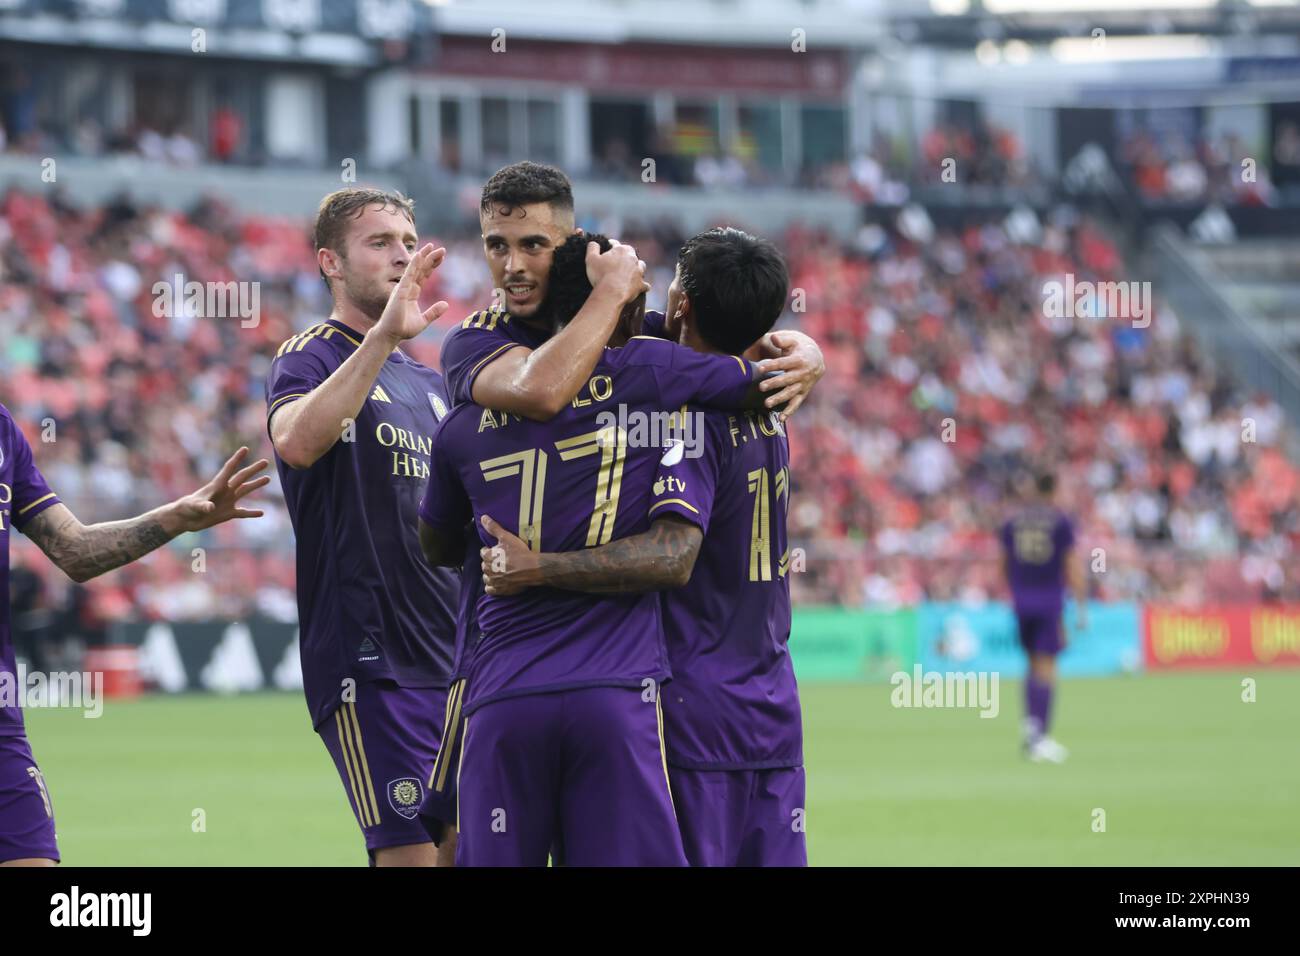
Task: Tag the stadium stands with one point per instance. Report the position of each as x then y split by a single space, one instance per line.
922 344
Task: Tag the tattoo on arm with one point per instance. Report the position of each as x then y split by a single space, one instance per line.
654 560
87 551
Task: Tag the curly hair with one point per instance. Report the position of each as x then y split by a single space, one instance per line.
521 184
568 287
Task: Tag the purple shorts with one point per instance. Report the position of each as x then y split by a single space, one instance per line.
384 745
26 816
577 774
1040 632
741 817
438 811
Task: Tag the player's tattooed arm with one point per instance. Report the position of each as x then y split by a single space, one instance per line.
442 549
83 551
660 558
799 360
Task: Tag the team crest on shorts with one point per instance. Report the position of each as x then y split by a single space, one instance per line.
404 796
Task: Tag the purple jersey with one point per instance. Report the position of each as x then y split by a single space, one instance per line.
1037 543
23 495
472 346
369 606
580 480
733 703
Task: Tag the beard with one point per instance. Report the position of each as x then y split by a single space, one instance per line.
368 296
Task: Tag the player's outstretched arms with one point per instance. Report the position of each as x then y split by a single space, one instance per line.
441 548
86 551
799 360
304 430
539 383
654 560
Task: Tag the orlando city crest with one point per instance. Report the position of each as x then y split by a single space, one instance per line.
404 796
439 406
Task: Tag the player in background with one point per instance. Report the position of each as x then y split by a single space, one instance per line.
732 720
82 552
350 416
1037 546
562 738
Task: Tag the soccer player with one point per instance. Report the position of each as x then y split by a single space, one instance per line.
27 836
1037 550
732 721
350 415
562 739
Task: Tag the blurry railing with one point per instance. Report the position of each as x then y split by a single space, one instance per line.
1225 334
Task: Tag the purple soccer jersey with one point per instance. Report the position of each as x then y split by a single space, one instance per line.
471 346
23 495
733 703
579 480
370 607
1037 543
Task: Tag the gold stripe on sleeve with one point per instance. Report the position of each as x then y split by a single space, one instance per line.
674 501
743 367
27 508
490 357
284 398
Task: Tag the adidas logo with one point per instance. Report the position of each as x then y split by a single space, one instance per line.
367 645
380 395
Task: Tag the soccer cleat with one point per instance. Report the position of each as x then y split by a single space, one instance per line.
1047 749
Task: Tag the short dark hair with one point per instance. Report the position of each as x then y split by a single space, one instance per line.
568 287
343 205
737 284
1045 482
520 184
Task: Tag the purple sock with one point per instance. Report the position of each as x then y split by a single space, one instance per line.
1038 701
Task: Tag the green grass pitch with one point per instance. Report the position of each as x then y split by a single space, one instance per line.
1185 771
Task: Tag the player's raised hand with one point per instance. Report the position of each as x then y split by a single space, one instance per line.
617 269
801 364
403 318
508 567
218 500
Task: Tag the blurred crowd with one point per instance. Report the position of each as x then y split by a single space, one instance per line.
945 384
1219 168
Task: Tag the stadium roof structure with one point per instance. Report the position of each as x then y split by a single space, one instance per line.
354 32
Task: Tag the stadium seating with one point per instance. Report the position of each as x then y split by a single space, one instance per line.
944 381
